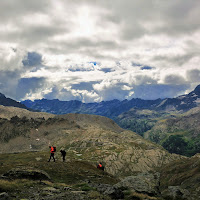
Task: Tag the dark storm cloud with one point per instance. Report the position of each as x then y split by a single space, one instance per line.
193 75
174 80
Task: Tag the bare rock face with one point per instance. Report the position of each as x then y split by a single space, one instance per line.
109 190
27 173
146 183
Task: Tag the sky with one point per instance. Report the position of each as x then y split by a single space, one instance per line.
99 50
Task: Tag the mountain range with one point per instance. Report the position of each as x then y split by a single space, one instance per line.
115 107
156 120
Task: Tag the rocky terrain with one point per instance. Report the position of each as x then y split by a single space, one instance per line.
28 175
85 137
135 168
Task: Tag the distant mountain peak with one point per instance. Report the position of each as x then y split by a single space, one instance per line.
2 95
197 90
10 102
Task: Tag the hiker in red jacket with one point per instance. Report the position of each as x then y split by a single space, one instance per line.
100 166
52 150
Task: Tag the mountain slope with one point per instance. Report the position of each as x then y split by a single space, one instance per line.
85 137
181 179
183 102
8 112
183 128
10 102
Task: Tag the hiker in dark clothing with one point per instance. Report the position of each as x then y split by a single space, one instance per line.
52 150
100 166
63 154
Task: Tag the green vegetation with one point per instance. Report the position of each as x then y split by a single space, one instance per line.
178 142
136 125
175 144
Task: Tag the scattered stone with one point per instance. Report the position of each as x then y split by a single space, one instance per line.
78 192
176 192
106 189
67 188
4 196
51 189
114 193
145 182
38 158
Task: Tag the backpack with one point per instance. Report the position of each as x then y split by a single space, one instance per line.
54 149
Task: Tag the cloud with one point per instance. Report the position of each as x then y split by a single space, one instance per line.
32 59
68 93
98 50
193 75
28 86
174 80
162 91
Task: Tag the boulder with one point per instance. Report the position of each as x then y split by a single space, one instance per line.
4 196
111 191
27 173
145 182
176 192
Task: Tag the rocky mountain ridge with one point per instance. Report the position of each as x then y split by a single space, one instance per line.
114 108
10 102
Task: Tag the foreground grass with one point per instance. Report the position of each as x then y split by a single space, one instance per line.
69 172
72 173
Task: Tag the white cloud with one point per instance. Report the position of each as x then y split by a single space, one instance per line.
99 50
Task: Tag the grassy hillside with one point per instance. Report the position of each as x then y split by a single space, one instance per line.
9 112
142 120
71 174
178 135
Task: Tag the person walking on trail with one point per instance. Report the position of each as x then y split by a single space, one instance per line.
100 166
52 151
63 154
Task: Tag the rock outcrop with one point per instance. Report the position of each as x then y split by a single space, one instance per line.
146 183
27 173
